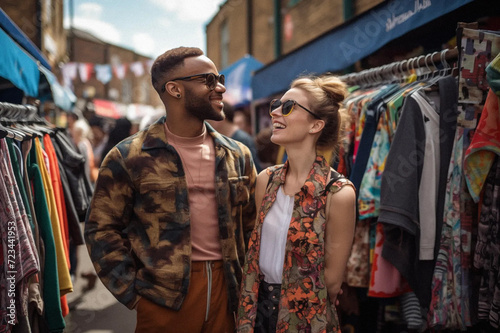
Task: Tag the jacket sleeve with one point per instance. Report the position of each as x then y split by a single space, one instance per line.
399 204
105 235
249 210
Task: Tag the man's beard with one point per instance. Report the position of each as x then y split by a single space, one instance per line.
201 108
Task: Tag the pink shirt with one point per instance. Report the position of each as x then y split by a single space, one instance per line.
198 159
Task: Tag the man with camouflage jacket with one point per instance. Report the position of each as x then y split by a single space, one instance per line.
173 207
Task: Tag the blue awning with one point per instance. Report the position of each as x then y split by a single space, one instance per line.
349 43
62 96
18 67
21 63
20 38
238 80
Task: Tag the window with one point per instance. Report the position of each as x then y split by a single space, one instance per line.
126 91
292 3
48 10
224 46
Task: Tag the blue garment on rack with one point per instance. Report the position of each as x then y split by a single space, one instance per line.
373 111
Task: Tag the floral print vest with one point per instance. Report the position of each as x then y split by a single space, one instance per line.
304 301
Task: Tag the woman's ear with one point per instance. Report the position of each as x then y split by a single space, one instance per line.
317 126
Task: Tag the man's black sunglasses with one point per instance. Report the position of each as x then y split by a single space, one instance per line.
288 107
211 80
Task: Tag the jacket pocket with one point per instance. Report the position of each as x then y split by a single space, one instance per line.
239 190
157 198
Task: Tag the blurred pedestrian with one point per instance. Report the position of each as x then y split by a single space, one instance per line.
173 207
120 131
81 134
228 128
242 119
266 149
298 251
99 138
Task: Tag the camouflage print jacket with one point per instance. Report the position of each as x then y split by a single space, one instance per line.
138 226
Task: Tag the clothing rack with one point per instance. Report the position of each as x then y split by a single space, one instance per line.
26 120
9 111
436 62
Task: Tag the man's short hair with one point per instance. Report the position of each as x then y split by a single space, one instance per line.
166 63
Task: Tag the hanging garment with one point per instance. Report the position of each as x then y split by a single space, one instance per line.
60 203
427 191
399 210
448 113
373 111
484 147
385 279
51 293
19 260
493 75
369 191
65 284
487 256
75 233
478 47
358 265
74 166
446 309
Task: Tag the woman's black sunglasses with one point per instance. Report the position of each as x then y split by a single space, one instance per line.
211 80
288 107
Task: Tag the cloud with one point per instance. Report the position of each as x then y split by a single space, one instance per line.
143 43
100 29
165 23
90 10
190 10
89 19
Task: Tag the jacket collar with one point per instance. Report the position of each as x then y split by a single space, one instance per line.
155 136
316 180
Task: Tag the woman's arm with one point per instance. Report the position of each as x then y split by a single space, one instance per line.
340 223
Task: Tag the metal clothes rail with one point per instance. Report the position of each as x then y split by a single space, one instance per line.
436 62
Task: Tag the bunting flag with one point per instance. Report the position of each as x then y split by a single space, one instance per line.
69 72
149 64
85 71
137 68
120 71
103 73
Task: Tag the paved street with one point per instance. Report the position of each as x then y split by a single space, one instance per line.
95 311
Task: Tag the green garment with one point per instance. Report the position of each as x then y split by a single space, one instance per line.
50 281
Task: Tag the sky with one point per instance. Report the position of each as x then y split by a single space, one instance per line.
149 27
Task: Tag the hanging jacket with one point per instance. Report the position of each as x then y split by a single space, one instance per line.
74 166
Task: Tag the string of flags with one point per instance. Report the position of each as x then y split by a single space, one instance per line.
103 72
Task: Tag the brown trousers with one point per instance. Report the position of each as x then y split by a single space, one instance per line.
195 315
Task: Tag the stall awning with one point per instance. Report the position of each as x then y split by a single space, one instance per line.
63 97
350 42
108 109
239 79
21 64
20 38
18 67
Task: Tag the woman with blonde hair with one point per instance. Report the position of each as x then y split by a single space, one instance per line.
306 215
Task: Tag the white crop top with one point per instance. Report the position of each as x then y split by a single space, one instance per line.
273 237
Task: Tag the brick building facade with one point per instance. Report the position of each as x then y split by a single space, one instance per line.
86 48
42 22
258 28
